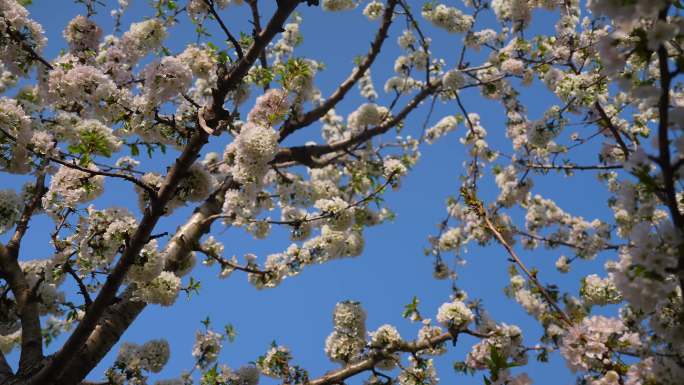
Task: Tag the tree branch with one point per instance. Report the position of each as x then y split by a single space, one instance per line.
231 38
5 369
532 277
256 21
94 327
121 315
613 130
306 154
291 126
340 375
140 237
27 305
664 157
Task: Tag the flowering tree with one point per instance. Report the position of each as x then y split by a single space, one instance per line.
79 121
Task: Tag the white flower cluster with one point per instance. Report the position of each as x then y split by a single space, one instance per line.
642 275
367 115
166 79
453 80
254 147
474 139
141 39
470 228
428 333
15 122
513 190
588 238
476 39
207 347
386 336
197 184
200 61
395 169
134 359
513 67
162 290
533 303
451 19
592 343
82 34
100 236
70 187
517 11
654 370
44 276
95 138
257 143
507 340
339 212
14 20
71 83
269 108
198 8
420 372
598 291
148 264
275 363
455 315
374 10
444 126
366 87
347 340
289 39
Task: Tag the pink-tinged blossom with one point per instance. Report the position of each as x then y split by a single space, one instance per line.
270 108
85 89
15 122
592 343
142 38
166 79
16 29
82 34
69 187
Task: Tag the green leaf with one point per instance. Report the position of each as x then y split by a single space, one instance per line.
230 332
206 322
135 151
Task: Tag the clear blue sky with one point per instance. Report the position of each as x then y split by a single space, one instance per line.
392 268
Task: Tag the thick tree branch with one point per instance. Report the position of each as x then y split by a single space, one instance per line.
291 125
5 369
101 331
121 315
664 157
140 237
27 305
340 375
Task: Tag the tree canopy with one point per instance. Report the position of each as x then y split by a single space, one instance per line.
228 127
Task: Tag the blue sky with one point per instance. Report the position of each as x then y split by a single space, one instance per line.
392 268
